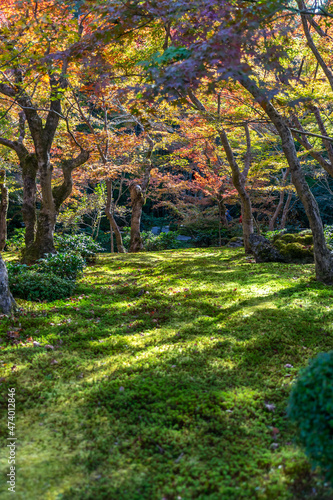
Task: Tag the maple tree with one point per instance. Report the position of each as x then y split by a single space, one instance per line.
197 56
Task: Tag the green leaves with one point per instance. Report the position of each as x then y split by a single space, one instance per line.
311 408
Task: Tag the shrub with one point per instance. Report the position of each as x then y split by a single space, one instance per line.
32 285
151 242
49 279
68 265
78 243
16 268
311 408
164 241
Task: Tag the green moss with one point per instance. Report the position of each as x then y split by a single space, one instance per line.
295 247
164 394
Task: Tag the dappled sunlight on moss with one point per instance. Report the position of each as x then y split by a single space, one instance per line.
163 393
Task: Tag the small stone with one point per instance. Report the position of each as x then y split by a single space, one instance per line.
270 407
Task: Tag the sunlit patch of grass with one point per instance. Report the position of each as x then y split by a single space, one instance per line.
157 385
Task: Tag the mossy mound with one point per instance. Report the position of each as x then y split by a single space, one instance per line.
235 242
295 247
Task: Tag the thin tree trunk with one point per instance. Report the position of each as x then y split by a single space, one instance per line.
239 183
281 200
286 211
3 209
256 224
277 212
98 224
322 256
111 238
113 224
138 194
137 200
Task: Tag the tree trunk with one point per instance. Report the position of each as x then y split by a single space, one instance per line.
239 183
281 200
3 209
111 238
29 172
113 224
52 199
7 302
322 256
222 212
138 194
137 200
277 212
286 211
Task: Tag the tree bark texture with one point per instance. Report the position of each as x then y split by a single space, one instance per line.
280 204
322 256
29 168
7 302
138 196
239 182
286 211
39 236
113 225
137 200
3 209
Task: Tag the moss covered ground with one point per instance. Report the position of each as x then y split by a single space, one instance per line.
168 379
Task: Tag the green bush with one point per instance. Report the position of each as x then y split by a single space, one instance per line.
311 408
78 243
16 268
32 285
151 242
49 279
68 265
164 241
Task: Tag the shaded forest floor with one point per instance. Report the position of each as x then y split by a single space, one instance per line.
157 384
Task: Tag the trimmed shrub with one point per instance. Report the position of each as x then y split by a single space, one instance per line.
32 285
78 243
67 265
311 408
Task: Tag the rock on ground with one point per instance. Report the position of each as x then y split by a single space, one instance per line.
7 302
235 242
263 250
